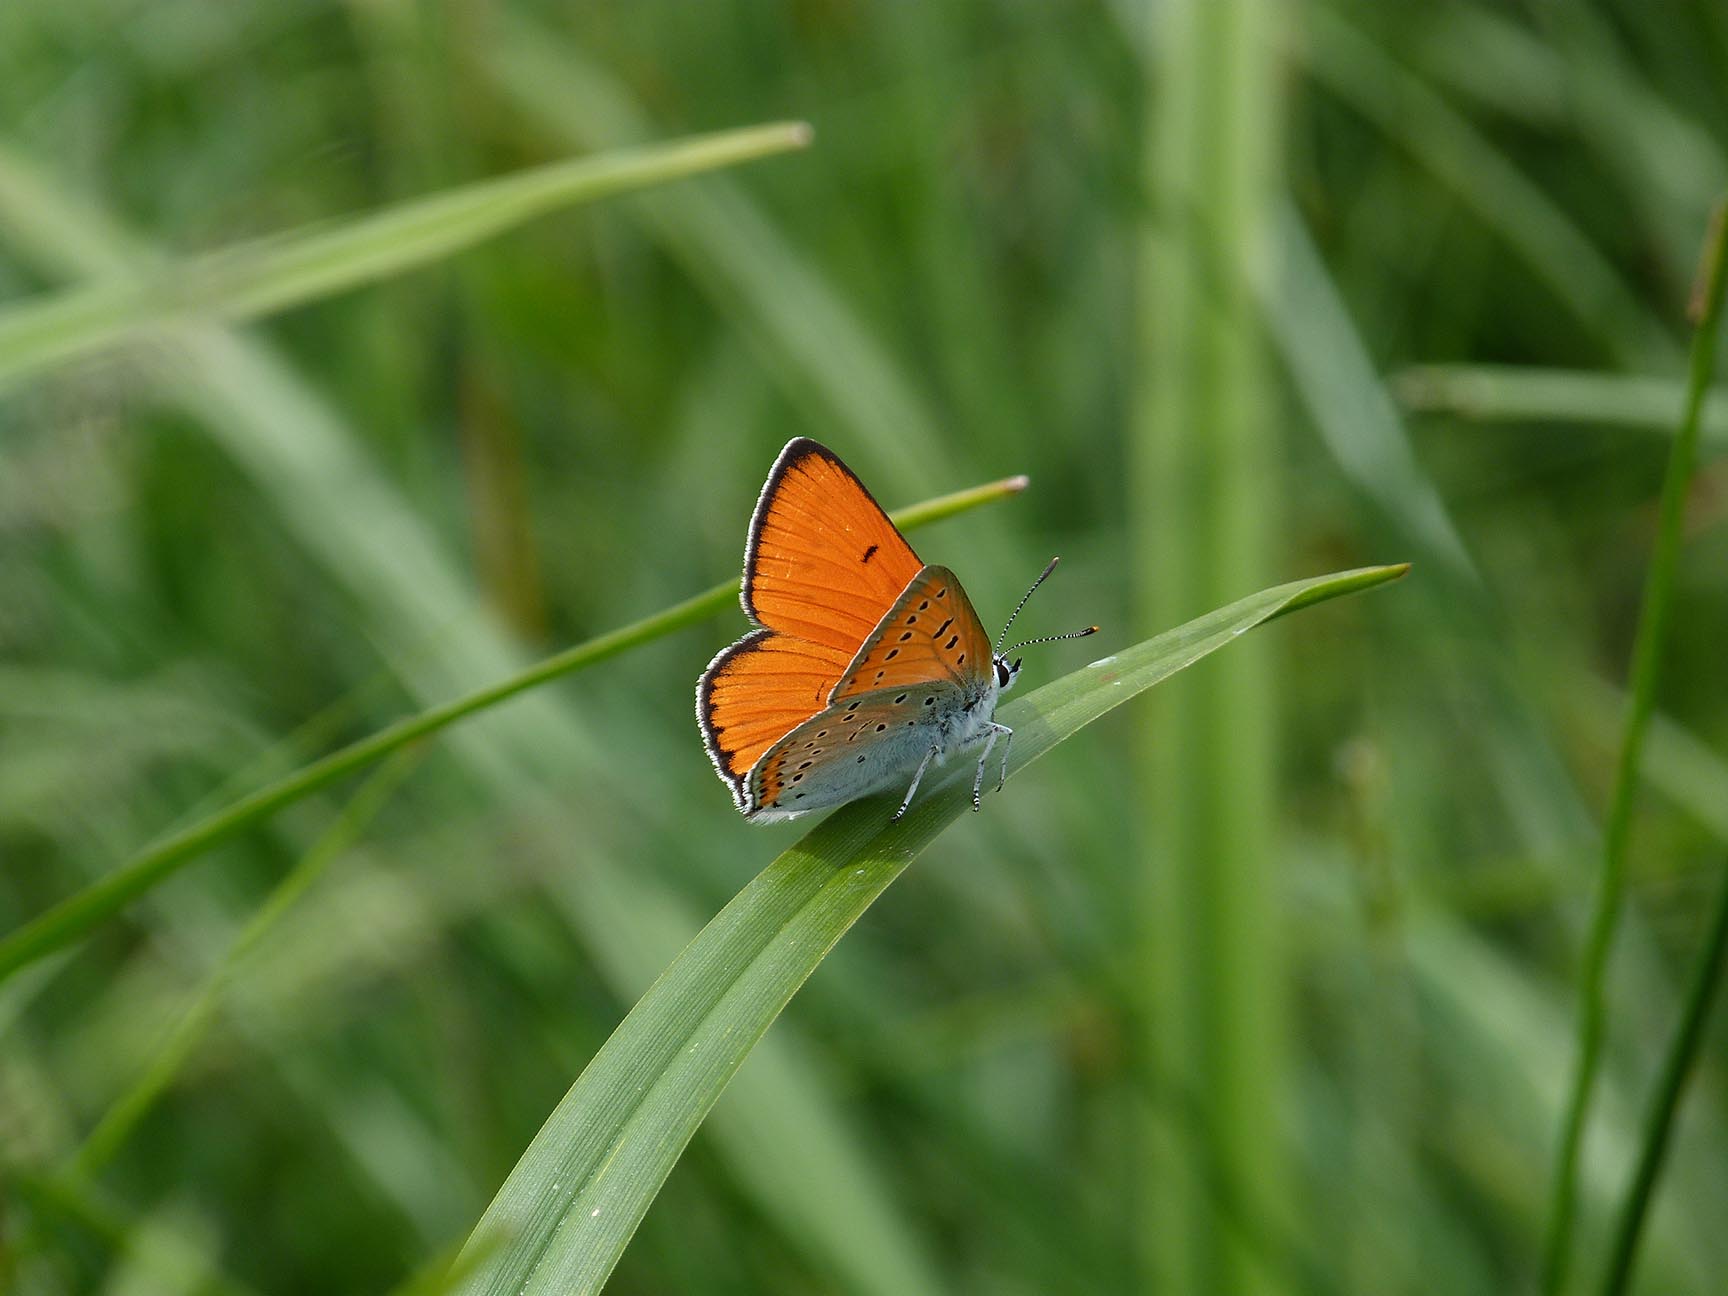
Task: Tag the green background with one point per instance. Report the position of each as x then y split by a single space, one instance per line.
1265 983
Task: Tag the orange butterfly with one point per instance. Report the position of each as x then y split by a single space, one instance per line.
867 663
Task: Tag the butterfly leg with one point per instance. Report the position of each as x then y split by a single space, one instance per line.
922 766
996 731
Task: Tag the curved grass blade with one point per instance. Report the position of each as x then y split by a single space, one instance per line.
77 914
1654 615
571 1205
285 270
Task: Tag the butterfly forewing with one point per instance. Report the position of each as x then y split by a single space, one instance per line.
930 634
824 562
849 750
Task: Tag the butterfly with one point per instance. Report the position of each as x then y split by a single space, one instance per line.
866 665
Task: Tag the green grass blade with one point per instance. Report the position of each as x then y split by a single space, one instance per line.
1526 394
1210 989
182 1038
1676 1067
1653 618
571 1205
75 916
286 270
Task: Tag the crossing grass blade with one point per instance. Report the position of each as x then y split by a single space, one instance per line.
569 1208
75 916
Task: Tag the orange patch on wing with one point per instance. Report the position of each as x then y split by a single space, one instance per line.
759 690
824 561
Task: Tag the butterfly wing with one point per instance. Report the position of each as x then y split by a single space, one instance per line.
758 690
848 750
930 634
824 563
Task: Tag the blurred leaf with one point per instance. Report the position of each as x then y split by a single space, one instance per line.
337 506
289 269
180 1041
1334 377
1211 977
577 1195
810 337
1527 394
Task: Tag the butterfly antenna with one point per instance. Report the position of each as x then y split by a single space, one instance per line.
1000 639
1072 634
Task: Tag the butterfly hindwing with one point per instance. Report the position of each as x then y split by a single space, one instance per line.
824 562
849 750
930 634
759 689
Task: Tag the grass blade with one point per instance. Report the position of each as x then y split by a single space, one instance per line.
286 270
1210 954
75 916
1676 1067
571 1205
1334 377
1525 394
1653 618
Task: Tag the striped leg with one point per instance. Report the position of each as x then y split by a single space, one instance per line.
922 766
996 731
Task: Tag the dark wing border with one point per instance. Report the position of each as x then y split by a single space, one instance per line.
722 756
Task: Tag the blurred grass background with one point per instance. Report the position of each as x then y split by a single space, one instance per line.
1348 283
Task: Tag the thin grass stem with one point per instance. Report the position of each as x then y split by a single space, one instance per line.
1658 1124
1653 619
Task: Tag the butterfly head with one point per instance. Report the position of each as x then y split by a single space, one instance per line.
1007 670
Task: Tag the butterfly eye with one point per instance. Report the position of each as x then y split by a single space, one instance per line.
1004 672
